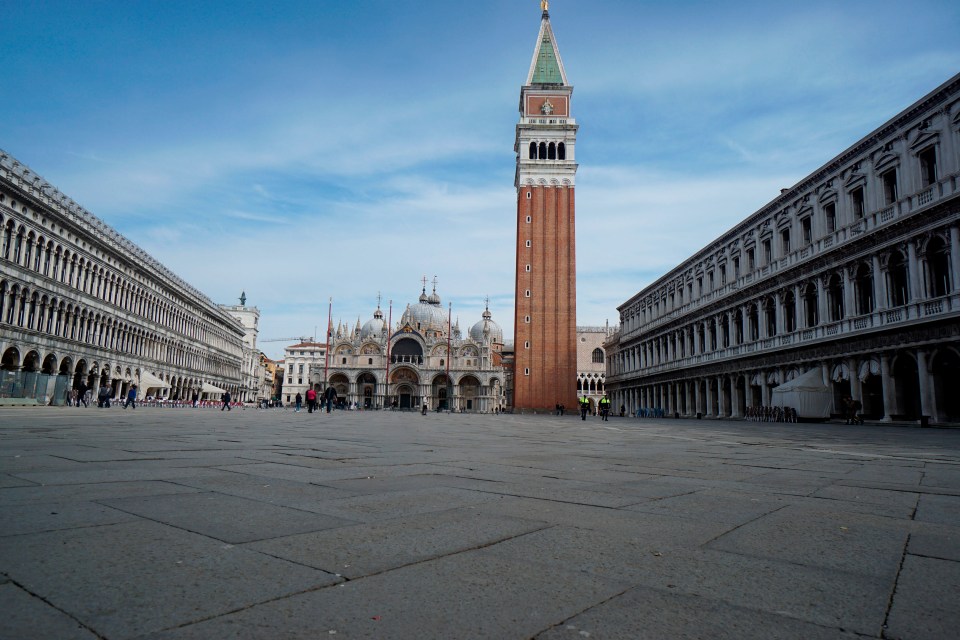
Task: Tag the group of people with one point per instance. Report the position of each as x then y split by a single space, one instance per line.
314 401
771 414
603 408
82 395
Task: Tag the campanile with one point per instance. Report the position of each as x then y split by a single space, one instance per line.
545 330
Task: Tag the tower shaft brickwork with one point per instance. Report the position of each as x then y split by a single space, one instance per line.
546 287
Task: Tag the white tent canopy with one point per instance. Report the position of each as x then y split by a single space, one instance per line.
150 381
807 393
209 388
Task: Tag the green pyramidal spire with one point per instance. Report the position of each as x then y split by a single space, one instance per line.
546 68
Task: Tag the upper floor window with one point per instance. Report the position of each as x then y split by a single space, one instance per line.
785 241
723 274
889 179
806 228
598 356
830 216
767 252
928 166
938 268
857 203
751 260
736 267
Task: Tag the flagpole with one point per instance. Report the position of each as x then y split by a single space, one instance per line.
449 355
326 362
386 390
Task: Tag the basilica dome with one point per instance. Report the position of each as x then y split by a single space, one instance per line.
426 315
487 327
374 327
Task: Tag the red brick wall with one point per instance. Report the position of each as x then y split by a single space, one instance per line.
552 306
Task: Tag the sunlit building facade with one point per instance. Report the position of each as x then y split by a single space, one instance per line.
854 271
81 304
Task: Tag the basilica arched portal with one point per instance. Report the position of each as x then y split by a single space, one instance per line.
405 384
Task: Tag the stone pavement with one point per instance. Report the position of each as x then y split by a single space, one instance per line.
172 524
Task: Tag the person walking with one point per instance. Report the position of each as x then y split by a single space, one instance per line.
103 397
855 407
195 399
82 394
584 407
311 400
131 397
848 410
225 398
605 408
331 396
298 399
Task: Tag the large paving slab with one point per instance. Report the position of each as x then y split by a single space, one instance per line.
200 524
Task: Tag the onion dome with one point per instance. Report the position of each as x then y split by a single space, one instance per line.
487 330
374 327
426 315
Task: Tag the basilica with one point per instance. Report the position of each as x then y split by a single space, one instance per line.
423 359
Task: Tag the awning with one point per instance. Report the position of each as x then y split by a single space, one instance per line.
209 388
150 381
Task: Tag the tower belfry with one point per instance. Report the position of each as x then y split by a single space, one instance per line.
546 287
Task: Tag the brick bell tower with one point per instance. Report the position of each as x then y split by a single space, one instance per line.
545 319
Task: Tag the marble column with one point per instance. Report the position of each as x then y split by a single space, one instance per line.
889 396
923 377
955 258
709 398
914 275
721 399
734 398
879 284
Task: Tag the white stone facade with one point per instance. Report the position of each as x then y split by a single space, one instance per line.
424 360
854 271
253 369
80 303
592 363
300 362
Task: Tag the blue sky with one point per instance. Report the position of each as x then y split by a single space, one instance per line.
301 150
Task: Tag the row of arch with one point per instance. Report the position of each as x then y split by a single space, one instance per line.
909 273
45 314
93 374
32 251
548 151
409 391
902 385
814 217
